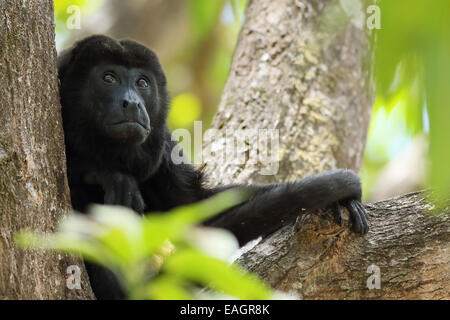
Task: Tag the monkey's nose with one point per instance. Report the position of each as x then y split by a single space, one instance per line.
130 105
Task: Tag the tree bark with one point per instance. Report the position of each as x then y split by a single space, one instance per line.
33 187
408 241
314 87
291 75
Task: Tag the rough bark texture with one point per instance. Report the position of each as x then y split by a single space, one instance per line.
291 75
33 186
318 259
288 74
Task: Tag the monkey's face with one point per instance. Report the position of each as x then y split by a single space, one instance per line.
120 99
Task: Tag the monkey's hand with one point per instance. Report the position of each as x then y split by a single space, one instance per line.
358 215
336 189
120 189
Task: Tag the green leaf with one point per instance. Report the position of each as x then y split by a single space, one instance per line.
134 248
216 274
167 287
159 227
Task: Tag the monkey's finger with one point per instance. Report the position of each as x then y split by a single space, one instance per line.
109 196
364 216
138 203
364 210
337 213
355 217
127 198
127 192
122 194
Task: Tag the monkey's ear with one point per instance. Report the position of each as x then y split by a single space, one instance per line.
64 60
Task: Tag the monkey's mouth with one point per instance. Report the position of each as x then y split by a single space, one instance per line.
132 123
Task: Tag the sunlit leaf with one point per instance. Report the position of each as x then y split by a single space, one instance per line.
159 227
216 274
213 242
168 288
135 248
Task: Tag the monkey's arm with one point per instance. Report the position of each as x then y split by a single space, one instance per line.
272 206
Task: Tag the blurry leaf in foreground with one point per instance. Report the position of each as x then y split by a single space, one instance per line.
156 256
217 243
193 265
159 227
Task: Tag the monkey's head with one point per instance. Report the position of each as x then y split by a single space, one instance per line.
113 89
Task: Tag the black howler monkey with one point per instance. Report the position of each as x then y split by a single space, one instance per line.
114 106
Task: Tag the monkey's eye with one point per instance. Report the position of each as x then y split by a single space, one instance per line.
109 78
142 83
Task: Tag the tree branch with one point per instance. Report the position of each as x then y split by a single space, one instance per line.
318 259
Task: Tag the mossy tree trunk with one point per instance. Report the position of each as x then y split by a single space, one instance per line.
291 74
34 193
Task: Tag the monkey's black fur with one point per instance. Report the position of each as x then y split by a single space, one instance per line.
114 105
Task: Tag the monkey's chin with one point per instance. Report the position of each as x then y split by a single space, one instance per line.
128 132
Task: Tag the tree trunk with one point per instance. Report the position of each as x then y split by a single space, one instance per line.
318 259
33 187
289 74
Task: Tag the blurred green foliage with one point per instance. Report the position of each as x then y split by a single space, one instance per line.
215 26
184 109
204 15
412 68
388 136
63 12
160 255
